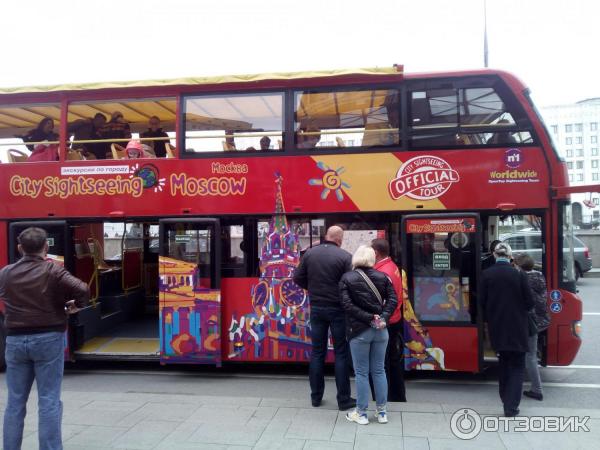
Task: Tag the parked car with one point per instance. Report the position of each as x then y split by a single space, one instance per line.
530 242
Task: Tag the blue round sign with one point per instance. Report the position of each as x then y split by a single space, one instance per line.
555 296
556 307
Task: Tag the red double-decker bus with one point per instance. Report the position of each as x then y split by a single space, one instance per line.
189 236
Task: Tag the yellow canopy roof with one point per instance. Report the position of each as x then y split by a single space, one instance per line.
204 80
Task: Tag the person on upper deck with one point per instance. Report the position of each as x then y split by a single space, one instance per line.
116 128
155 131
88 129
308 137
43 132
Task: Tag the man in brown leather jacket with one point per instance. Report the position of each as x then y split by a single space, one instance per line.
38 295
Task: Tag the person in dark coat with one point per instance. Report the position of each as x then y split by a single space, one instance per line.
506 300
541 317
369 299
155 131
320 271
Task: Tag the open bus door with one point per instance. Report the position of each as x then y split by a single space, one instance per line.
442 325
59 248
190 293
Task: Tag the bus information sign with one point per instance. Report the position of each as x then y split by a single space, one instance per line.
441 261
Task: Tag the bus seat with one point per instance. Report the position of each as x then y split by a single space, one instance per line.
340 142
16 155
98 253
118 152
170 150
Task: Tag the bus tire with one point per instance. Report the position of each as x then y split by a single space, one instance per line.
2 345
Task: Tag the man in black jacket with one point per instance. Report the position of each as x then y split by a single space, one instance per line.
38 294
320 271
506 300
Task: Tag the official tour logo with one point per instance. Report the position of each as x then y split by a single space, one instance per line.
423 178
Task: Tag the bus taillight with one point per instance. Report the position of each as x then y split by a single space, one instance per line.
577 328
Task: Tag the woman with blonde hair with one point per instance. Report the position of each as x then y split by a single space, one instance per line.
369 300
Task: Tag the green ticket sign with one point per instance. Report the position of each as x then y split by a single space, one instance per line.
441 261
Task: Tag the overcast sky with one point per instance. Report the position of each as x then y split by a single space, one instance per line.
551 45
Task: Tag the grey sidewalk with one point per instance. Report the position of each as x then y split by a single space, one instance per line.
106 420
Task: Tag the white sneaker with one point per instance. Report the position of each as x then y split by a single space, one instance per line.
381 416
360 419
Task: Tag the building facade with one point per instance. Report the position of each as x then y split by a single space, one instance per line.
576 134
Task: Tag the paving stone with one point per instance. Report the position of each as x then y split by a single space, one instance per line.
178 412
298 403
344 430
96 436
267 443
93 417
457 444
392 428
145 435
316 424
415 443
425 425
414 407
226 414
225 433
378 442
103 405
322 445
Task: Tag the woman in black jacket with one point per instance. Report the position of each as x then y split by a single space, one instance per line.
369 300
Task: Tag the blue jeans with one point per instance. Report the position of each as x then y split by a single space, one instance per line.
322 318
368 355
40 357
531 364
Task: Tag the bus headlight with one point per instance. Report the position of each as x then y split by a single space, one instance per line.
577 328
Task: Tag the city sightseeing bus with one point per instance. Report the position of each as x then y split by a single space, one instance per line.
190 255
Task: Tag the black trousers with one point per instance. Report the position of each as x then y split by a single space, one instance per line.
512 372
394 364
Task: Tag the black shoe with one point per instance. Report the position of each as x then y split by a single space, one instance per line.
513 413
349 404
316 403
534 395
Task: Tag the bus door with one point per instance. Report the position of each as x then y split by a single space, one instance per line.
59 248
442 329
190 295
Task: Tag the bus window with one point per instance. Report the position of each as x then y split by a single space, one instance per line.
450 115
364 118
101 130
30 133
241 122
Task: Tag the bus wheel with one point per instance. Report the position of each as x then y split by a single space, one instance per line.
2 345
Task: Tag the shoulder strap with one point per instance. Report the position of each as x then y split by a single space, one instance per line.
371 285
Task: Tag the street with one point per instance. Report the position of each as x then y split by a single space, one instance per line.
144 406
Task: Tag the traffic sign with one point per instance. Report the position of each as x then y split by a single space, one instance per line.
555 295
